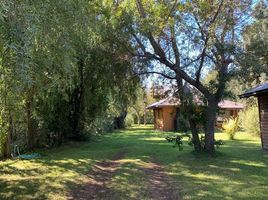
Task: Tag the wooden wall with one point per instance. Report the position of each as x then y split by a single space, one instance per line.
158 119
169 114
164 118
263 110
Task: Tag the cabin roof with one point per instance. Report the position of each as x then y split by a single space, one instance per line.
260 89
230 104
173 101
169 101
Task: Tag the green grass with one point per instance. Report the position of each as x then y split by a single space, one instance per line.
239 171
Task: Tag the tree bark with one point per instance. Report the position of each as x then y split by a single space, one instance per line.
210 125
119 121
196 139
192 122
138 116
139 119
144 117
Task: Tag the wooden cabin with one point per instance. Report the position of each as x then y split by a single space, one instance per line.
261 92
165 112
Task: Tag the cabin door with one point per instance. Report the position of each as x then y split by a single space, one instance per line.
158 118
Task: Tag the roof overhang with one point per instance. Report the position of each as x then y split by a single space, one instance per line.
256 91
250 94
161 106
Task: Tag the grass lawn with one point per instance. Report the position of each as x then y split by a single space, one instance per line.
239 171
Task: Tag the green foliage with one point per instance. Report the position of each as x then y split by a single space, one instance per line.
129 120
249 120
137 108
194 112
60 73
217 143
67 68
178 141
253 59
230 126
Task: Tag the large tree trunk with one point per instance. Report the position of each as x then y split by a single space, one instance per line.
138 116
210 125
188 108
119 121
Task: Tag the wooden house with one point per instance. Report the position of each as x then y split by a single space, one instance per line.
165 112
261 92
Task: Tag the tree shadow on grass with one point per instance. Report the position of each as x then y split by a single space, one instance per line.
239 171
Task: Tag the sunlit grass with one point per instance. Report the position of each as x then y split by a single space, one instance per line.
238 171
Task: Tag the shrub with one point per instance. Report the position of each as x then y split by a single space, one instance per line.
178 141
129 120
249 120
230 127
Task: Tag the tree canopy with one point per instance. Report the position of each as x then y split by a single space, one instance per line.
69 68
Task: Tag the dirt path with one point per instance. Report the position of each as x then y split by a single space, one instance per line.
160 186
99 177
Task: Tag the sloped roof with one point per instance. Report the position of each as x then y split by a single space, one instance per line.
169 101
260 89
230 104
173 101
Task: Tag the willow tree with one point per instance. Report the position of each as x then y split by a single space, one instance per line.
186 39
59 73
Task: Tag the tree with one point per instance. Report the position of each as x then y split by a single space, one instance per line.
138 106
59 73
253 59
186 39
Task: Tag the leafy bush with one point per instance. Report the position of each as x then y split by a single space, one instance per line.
217 143
249 120
178 141
230 127
129 120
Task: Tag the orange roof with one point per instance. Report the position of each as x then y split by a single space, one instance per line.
173 101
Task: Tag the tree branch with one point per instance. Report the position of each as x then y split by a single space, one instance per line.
162 58
174 46
154 72
217 13
201 64
140 43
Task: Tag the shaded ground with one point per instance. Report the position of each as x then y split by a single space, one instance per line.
159 184
98 185
239 171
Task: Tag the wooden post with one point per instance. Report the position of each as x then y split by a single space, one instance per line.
144 117
259 107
